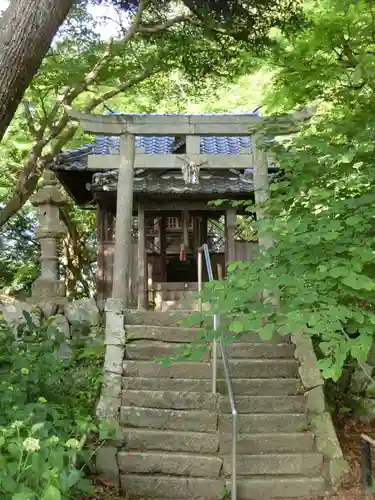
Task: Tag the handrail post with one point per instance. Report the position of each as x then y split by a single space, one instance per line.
200 276
214 356
216 325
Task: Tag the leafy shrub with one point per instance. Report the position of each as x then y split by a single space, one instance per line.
44 422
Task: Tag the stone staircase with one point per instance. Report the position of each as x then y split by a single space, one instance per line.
177 435
174 296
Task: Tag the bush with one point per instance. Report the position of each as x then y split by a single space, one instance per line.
44 422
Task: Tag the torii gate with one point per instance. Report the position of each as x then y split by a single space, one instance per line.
192 126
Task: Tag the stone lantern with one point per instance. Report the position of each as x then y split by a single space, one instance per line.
48 288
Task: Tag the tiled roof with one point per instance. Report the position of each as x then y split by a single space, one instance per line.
172 182
77 159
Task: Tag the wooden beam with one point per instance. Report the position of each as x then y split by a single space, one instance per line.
163 246
172 161
142 258
124 210
211 125
178 205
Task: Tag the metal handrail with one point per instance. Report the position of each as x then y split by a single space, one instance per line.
203 250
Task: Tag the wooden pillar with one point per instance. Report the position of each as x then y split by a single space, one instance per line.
185 228
230 229
142 258
204 229
163 247
100 237
196 234
124 213
108 258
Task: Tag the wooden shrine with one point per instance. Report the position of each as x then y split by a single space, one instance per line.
152 180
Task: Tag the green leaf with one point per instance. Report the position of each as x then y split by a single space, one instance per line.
359 282
232 267
267 331
73 478
332 235
24 495
354 220
337 271
236 327
14 450
360 347
51 493
37 427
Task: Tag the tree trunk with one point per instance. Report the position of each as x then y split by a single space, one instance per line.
27 29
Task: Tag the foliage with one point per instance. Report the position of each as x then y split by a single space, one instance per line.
43 421
320 271
249 20
143 68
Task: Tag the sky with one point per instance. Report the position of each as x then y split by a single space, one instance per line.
106 30
3 4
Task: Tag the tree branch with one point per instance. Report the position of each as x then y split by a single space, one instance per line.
146 73
36 160
30 120
157 27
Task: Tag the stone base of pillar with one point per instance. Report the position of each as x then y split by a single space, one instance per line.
48 290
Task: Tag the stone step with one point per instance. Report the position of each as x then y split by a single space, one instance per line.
255 368
292 442
172 400
141 319
179 294
154 439
262 386
176 464
148 369
185 304
256 387
165 487
175 285
260 350
276 487
168 346
154 318
162 333
300 464
266 422
156 350
265 404
256 488
156 418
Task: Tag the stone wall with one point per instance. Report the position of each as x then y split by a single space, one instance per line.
66 317
361 397
320 420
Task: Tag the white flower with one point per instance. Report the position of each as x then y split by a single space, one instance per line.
17 424
72 443
31 444
53 439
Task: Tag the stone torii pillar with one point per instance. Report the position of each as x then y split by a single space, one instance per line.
124 213
110 398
